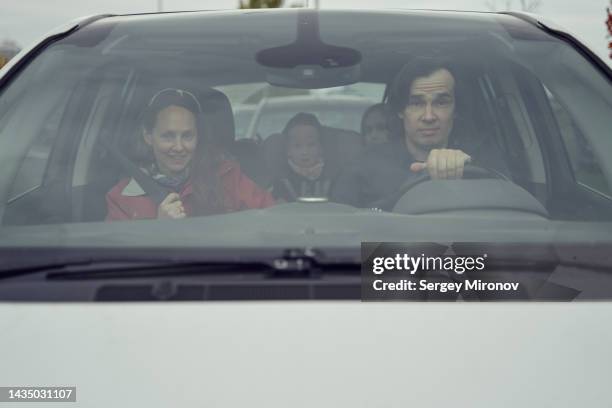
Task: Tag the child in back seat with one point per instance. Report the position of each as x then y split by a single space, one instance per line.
305 172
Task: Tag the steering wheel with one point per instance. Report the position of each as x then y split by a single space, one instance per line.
470 171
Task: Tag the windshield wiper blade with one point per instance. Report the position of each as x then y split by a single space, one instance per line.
152 270
292 263
263 270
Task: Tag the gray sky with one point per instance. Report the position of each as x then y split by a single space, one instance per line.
26 20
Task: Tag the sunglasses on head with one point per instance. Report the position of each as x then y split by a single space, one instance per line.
181 92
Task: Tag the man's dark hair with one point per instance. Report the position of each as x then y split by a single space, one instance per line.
399 92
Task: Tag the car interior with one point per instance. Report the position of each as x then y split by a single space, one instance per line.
505 112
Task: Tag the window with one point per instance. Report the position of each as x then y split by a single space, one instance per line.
80 119
261 109
580 152
32 170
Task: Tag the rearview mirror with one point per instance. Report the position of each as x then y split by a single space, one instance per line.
309 62
313 76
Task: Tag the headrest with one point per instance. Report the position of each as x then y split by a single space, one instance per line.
217 109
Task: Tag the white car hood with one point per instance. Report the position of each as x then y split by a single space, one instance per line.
312 354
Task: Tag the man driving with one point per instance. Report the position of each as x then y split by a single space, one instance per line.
423 98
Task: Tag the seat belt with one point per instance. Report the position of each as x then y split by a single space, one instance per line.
152 189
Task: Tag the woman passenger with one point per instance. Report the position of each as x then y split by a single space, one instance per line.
182 160
305 172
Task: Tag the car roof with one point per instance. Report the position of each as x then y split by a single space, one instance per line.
474 16
231 32
243 22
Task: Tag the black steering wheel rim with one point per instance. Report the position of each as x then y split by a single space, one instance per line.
470 171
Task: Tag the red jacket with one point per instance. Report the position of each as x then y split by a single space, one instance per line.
128 201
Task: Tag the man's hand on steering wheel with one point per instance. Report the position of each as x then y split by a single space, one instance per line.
443 164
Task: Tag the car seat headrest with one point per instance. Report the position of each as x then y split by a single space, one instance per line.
217 109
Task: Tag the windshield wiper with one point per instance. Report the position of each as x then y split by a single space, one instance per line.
293 263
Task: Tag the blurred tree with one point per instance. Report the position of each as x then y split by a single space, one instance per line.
609 25
252 4
8 49
529 6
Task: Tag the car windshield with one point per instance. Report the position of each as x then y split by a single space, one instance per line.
296 128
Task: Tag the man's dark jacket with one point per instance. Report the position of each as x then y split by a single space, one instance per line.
381 170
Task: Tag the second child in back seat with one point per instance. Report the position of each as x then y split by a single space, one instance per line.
305 171
376 125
